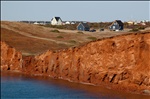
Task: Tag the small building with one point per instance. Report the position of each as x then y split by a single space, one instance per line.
36 23
130 23
72 22
67 22
64 22
56 21
143 23
41 22
47 22
137 22
116 25
83 27
32 22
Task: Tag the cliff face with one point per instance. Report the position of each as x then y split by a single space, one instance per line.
121 60
10 58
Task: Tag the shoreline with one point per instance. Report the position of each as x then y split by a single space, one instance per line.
105 85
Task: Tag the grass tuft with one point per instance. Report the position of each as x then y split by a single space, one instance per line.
80 32
56 31
72 41
92 38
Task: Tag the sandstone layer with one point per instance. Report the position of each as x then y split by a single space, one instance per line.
120 62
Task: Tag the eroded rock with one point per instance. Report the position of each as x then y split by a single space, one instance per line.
122 60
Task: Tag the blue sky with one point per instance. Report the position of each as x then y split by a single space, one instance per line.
92 11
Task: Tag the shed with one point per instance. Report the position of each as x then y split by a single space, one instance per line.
83 27
116 25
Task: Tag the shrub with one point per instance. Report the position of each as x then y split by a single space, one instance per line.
60 36
72 41
56 31
134 30
62 45
141 28
92 38
80 32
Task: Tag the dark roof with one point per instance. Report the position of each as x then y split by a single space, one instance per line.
85 25
57 18
119 22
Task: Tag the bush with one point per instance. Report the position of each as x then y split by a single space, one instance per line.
92 38
134 30
80 32
141 28
56 31
72 41
60 36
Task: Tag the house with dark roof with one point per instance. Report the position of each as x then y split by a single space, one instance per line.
83 27
56 21
116 25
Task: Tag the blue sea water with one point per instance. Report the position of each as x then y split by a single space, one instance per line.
18 86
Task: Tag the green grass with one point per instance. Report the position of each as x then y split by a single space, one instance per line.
92 38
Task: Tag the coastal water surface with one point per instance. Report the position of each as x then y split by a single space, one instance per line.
19 86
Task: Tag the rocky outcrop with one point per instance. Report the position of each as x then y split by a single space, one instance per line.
10 58
121 61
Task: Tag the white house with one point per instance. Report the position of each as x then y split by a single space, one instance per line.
130 22
72 22
67 22
56 21
36 23
143 23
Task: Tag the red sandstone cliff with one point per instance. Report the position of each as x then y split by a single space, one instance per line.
121 61
10 58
